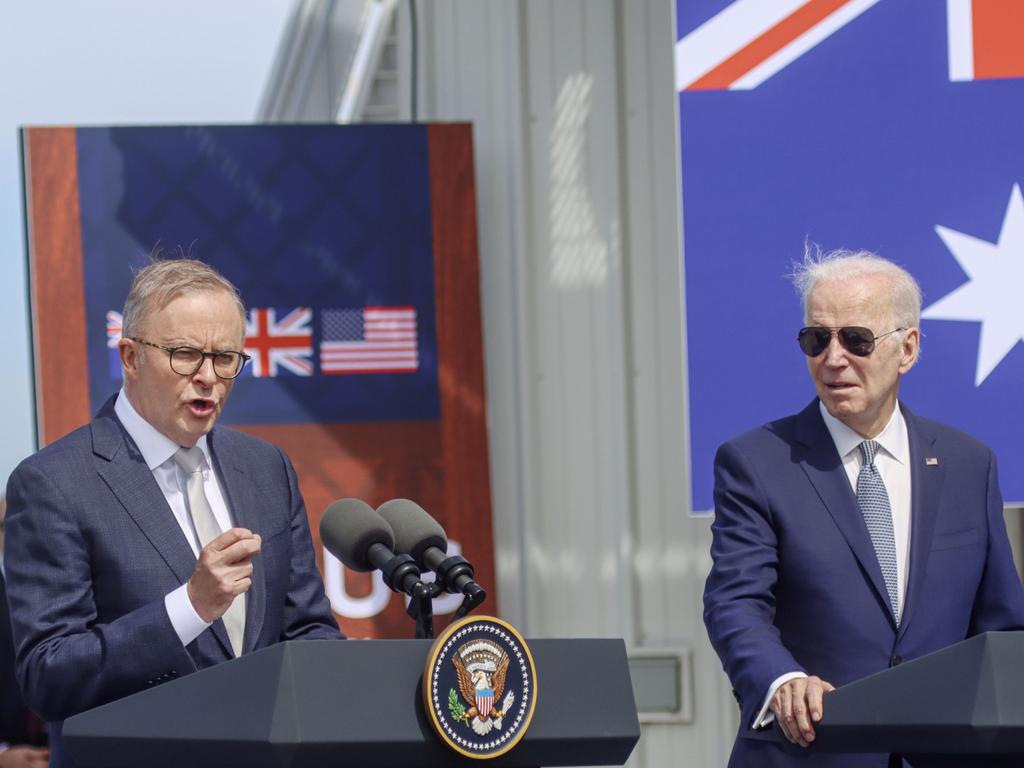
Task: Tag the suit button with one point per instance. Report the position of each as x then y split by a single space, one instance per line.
896 660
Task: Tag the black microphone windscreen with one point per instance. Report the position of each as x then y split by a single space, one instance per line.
415 530
349 528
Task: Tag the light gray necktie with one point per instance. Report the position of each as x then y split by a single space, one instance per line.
207 529
874 505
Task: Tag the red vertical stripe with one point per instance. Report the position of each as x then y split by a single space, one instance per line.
58 298
460 349
998 27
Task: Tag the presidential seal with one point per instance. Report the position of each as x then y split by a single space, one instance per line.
480 686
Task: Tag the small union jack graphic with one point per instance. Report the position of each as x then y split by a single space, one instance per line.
113 328
280 345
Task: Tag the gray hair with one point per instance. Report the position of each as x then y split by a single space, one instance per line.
844 265
157 284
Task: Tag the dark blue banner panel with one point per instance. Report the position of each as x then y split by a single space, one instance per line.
325 230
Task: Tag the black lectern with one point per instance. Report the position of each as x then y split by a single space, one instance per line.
963 705
354 703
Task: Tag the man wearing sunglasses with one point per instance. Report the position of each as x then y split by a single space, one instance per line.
854 535
150 543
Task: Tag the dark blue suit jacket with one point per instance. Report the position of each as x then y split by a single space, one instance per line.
14 715
92 549
796 584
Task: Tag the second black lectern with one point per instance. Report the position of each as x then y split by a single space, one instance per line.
354 703
962 705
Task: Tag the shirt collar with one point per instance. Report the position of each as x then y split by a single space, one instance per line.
155 447
892 439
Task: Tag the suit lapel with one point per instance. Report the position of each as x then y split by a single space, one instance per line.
824 468
131 481
926 481
246 512
125 472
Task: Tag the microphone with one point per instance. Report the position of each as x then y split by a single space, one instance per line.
364 541
421 536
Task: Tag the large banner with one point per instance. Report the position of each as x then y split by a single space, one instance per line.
890 125
354 249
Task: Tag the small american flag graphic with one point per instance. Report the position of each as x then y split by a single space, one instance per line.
369 340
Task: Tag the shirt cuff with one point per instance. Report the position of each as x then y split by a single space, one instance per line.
186 622
766 716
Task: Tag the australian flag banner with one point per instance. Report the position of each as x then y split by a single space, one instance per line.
888 125
355 252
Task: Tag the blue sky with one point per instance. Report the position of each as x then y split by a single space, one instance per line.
108 62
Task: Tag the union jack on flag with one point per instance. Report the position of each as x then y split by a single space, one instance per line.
369 340
984 40
892 126
749 41
113 328
279 345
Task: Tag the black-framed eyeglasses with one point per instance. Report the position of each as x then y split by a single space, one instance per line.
185 361
854 339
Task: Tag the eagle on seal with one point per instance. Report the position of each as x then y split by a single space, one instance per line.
481 715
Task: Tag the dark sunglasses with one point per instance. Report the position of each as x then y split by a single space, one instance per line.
856 340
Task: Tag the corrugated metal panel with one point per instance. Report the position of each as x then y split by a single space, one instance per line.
471 70
574 118
579 547
314 62
671 557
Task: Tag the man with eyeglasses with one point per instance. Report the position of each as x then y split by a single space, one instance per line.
854 535
151 543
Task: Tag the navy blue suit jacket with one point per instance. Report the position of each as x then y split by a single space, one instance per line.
13 712
92 549
796 584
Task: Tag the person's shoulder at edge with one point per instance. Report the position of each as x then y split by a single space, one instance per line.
944 431
60 450
777 433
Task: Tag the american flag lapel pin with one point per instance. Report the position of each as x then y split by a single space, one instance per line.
931 461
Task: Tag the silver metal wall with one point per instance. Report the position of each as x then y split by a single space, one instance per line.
575 126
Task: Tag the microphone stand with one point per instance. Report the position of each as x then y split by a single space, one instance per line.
421 608
454 571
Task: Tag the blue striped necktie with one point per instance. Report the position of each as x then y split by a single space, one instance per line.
874 505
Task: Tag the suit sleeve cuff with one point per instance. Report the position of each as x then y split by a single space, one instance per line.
766 716
186 622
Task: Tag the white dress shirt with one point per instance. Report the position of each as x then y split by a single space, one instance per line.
158 452
893 463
